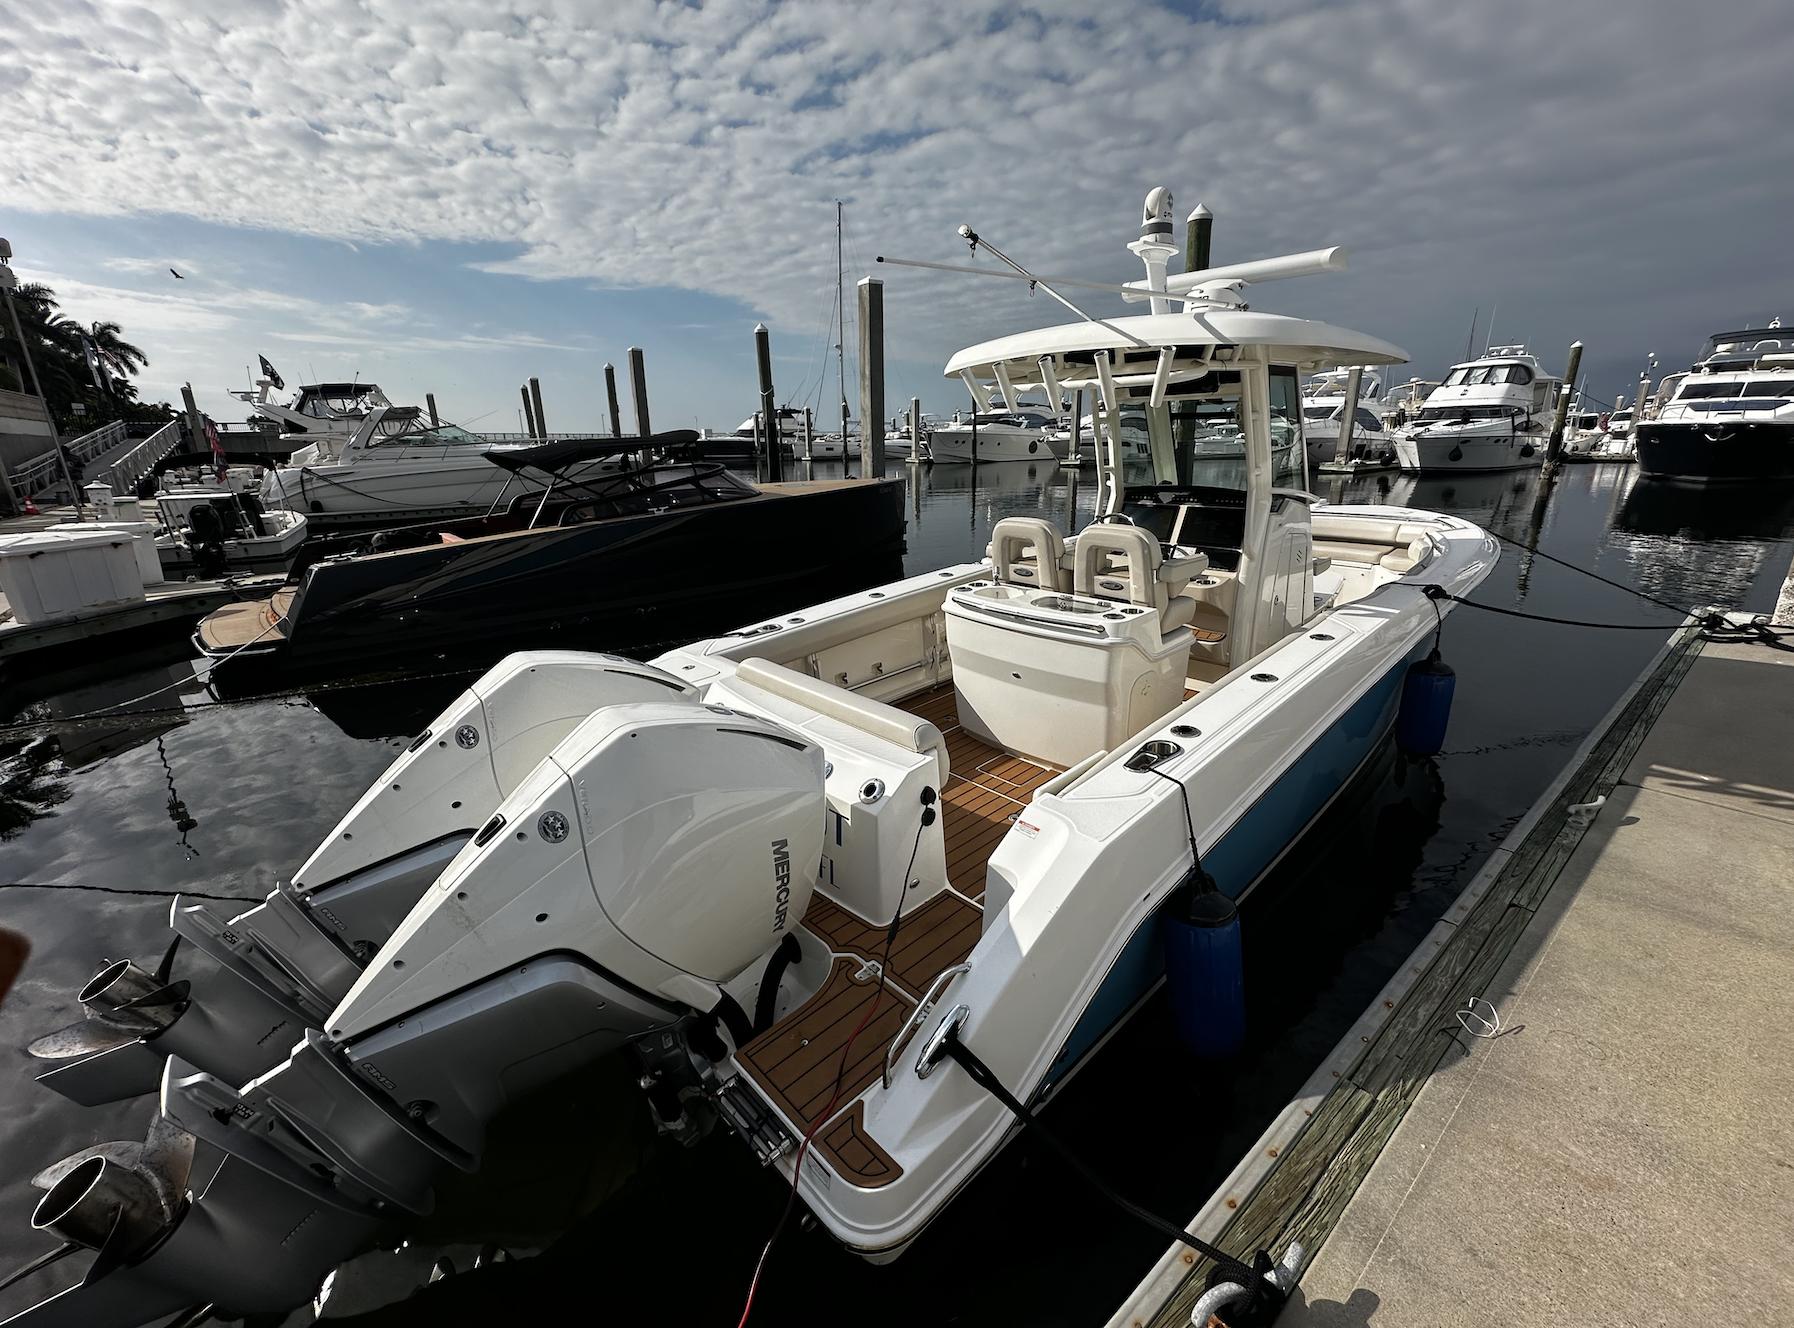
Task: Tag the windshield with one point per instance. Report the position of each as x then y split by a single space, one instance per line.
443 435
1482 375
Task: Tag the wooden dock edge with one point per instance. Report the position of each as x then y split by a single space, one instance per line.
1297 1179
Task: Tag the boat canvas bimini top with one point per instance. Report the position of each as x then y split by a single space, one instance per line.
796 867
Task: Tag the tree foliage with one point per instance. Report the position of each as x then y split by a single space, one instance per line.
57 352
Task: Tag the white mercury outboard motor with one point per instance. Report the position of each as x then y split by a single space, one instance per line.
285 964
659 850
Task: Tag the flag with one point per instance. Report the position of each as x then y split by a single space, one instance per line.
93 364
272 377
212 438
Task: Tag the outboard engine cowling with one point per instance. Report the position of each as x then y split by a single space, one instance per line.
669 845
285 964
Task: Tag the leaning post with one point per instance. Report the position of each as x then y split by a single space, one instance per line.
430 401
529 413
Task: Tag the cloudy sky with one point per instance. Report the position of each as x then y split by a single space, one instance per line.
449 196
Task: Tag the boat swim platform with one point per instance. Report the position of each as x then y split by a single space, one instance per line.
166 605
1620 1151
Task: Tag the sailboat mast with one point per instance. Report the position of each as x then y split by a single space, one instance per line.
841 323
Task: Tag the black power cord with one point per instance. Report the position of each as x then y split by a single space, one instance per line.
884 967
1265 1298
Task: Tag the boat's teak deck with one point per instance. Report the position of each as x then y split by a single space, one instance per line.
796 1062
253 620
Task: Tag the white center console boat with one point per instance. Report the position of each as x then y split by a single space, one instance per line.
792 868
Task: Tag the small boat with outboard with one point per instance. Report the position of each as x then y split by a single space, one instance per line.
843 882
1731 417
1490 413
215 532
606 542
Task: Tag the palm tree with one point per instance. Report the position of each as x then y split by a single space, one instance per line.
118 357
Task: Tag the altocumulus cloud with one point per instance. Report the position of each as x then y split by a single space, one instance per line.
1464 150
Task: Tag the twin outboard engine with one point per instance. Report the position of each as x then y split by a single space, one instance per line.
577 876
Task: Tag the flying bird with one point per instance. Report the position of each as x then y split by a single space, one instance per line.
177 275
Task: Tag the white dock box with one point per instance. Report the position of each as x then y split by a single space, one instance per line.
54 574
143 543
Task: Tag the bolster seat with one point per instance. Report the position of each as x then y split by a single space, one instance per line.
887 722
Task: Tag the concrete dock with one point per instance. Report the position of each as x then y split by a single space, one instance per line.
1618 1148
1623 1151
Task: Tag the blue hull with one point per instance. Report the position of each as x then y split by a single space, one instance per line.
1242 856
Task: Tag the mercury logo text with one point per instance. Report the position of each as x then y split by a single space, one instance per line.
781 875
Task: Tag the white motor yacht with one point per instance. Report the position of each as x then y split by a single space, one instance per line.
371 477
1731 417
1491 413
1019 434
806 871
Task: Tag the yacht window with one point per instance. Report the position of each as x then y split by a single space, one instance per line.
1456 378
1318 412
1620 416
1770 387
1368 421
1694 391
442 435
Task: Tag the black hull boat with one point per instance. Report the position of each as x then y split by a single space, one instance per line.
1717 453
657 553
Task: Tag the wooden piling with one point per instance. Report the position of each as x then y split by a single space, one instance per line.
1554 450
872 378
529 413
915 428
809 432
430 401
1348 416
535 396
638 388
1199 230
769 411
610 398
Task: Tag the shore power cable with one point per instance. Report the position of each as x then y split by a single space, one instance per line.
1261 1280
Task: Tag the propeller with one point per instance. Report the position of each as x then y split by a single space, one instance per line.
118 1198
123 1003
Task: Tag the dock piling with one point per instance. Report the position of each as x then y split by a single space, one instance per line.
638 388
872 378
769 414
535 396
430 401
1554 449
529 413
1200 229
1348 416
915 428
809 431
610 397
